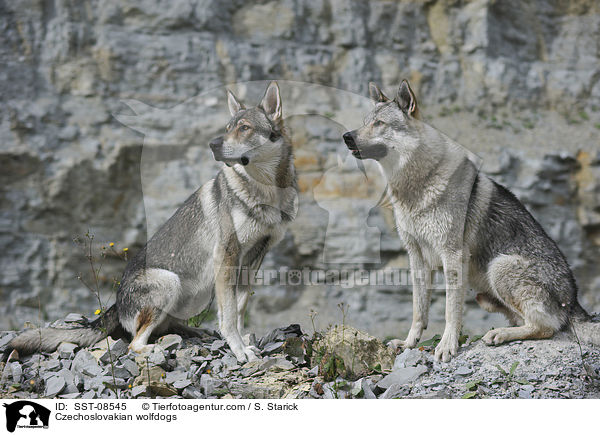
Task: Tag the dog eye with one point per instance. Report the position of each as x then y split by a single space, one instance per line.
244 127
378 123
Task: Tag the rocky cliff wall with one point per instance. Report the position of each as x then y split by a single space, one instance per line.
107 107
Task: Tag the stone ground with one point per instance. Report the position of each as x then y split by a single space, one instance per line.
341 362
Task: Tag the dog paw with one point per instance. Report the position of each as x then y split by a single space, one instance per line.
494 337
446 349
412 339
252 352
395 344
142 350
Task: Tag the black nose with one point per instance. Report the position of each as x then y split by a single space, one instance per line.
216 143
349 139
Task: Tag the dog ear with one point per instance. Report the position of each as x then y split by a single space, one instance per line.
406 99
271 102
376 95
234 105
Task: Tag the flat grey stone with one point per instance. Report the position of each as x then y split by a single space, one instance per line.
230 361
402 376
526 391
216 345
172 377
117 372
67 375
54 385
74 317
273 347
51 365
408 358
117 349
85 364
192 392
463 371
138 390
73 395
66 350
394 391
170 342
131 367
181 384
16 371
157 357
207 384
89 395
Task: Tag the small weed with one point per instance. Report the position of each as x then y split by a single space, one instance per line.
508 377
583 115
432 342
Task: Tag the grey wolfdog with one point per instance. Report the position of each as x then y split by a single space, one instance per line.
229 223
451 216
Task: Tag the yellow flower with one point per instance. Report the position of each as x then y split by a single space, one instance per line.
111 244
129 386
32 382
208 371
125 249
97 312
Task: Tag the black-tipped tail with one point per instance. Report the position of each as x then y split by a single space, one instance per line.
48 339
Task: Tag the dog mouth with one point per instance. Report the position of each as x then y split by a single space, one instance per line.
230 161
354 150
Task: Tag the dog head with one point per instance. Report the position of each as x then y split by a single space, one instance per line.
252 135
390 130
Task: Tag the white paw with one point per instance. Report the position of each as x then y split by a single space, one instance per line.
245 354
412 339
395 344
494 337
446 349
141 349
252 352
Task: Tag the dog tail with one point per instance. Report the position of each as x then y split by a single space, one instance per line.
48 339
587 331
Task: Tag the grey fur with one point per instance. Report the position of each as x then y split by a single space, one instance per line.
451 216
230 222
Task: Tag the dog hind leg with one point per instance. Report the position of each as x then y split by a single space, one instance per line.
492 305
511 279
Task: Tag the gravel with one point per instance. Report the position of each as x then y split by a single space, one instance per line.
181 367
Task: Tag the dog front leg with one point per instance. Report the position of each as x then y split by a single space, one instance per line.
455 272
421 298
227 307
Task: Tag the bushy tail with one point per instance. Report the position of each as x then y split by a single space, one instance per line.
48 339
587 332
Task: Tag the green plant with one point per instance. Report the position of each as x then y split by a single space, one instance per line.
471 388
432 342
508 377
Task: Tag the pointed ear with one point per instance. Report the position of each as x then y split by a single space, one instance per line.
406 99
234 105
271 102
376 95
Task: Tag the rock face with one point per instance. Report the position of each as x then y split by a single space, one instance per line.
107 110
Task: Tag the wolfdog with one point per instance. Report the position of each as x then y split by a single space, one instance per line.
228 224
449 215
